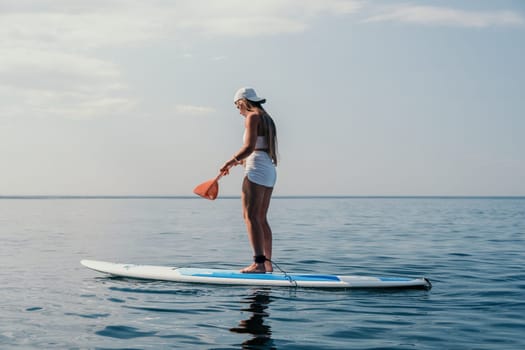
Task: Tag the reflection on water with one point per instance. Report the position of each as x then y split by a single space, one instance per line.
257 306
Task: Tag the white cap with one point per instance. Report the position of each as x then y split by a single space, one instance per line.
249 94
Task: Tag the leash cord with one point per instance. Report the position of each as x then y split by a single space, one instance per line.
286 275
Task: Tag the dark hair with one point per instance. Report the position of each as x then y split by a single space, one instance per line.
267 127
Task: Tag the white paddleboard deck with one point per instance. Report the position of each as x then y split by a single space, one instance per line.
232 277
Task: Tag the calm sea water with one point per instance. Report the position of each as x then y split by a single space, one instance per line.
472 249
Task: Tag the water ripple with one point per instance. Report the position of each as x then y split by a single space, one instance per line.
92 316
124 332
193 292
471 249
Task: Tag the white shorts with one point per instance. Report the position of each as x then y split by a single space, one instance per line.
259 169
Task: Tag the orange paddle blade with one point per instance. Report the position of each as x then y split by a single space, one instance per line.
208 189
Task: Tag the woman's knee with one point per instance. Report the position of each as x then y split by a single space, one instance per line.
253 216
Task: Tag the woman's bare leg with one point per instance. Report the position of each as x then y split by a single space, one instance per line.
266 228
255 202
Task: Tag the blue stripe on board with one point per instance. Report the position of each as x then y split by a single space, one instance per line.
256 276
394 279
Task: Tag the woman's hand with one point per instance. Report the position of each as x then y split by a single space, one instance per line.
225 169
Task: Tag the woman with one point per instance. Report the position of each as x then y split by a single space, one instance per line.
259 157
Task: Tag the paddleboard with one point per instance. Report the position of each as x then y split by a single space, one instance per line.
232 277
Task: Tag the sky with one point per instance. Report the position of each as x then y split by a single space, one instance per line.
370 98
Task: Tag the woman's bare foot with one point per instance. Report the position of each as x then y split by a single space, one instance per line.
268 266
254 268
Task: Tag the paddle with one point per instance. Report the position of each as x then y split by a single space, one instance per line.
210 188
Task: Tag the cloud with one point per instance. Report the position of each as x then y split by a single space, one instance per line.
62 104
431 15
50 64
81 26
236 18
61 70
55 84
193 110
75 32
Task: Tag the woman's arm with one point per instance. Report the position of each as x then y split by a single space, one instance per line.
251 123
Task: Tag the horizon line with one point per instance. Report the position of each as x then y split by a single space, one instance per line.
41 197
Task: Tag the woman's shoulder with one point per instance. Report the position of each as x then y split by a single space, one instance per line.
256 112
254 116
